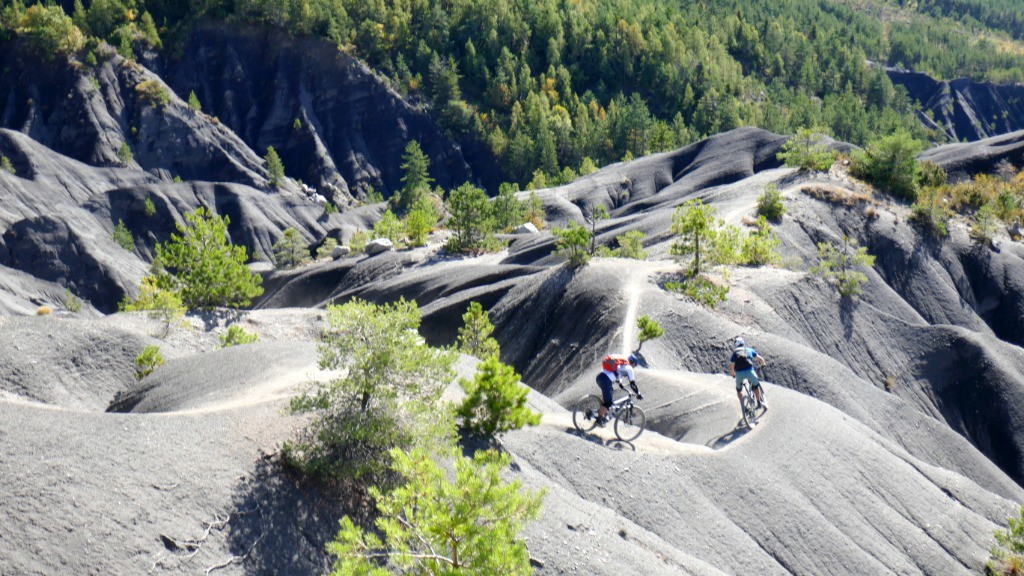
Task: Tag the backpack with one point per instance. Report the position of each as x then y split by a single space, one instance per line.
742 359
612 362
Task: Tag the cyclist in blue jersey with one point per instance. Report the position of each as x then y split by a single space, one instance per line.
741 367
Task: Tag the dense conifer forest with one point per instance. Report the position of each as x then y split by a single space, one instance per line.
556 88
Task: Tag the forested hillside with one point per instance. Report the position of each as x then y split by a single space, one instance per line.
555 88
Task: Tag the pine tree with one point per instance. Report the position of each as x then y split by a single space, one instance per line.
475 334
697 227
194 104
418 521
203 266
495 401
416 180
471 218
275 168
386 398
572 243
291 249
649 330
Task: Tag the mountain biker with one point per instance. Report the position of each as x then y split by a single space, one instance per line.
613 369
741 366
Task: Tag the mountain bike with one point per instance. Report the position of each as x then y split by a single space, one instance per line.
630 419
749 405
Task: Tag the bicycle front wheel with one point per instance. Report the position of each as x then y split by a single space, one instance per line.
630 423
584 415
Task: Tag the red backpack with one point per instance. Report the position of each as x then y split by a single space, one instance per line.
612 362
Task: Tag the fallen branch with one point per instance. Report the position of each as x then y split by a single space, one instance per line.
242 558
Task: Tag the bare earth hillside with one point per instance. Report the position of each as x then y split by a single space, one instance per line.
892 445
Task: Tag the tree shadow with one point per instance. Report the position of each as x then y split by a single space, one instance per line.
847 306
281 521
216 317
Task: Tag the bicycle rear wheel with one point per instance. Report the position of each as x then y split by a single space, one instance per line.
630 423
584 415
749 410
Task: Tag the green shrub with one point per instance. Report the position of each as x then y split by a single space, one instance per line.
838 263
420 221
125 154
373 196
330 208
1007 557
760 248
6 164
148 207
631 245
71 302
236 336
807 151
153 92
931 212
326 250
390 227
123 236
160 304
508 210
770 203
891 162
985 223
150 359
701 290
495 401
358 241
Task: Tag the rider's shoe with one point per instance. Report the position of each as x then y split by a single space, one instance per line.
602 420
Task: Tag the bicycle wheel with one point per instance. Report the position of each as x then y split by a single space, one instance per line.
749 410
584 415
630 423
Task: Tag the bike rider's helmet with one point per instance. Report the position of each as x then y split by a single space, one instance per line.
739 342
632 360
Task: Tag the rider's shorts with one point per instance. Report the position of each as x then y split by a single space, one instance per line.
607 390
747 374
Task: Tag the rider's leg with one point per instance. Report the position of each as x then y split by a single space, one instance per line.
607 392
756 387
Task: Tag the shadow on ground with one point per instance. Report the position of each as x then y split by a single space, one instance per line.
281 523
609 442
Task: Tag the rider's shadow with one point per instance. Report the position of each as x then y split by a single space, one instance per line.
596 439
735 434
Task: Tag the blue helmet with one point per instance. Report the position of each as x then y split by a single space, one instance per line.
632 359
